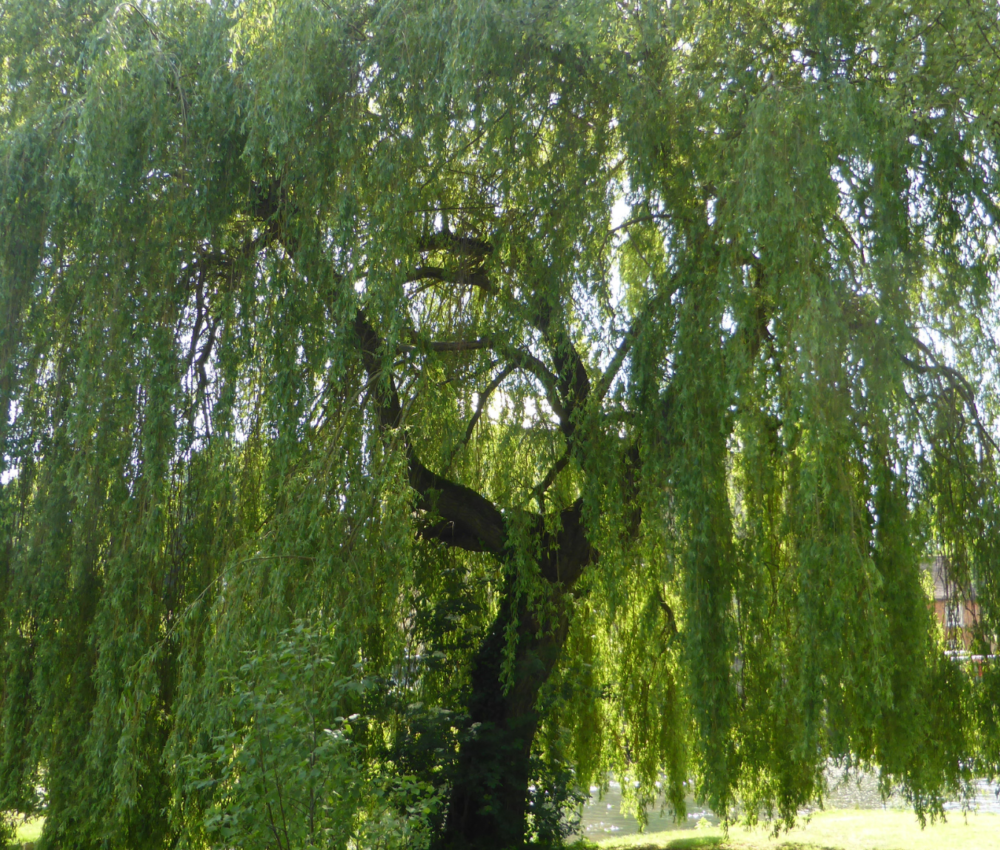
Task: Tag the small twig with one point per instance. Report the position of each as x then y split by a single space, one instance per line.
453 345
639 219
538 491
484 398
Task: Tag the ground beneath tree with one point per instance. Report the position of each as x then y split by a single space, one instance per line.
602 817
833 830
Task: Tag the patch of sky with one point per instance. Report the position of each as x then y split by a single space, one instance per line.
9 468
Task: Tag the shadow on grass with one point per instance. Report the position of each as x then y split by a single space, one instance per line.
798 845
711 842
697 842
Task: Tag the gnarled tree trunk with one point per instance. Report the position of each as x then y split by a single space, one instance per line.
489 794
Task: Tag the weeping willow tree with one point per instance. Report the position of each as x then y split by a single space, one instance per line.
416 411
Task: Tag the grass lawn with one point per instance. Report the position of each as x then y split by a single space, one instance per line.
848 829
852 829
29 832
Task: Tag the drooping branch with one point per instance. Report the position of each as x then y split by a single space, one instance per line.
958 383
607 378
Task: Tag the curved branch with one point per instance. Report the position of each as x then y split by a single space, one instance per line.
959 383
529 363
463 277
467 519
445 240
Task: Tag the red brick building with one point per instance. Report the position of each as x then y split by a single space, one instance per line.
956 608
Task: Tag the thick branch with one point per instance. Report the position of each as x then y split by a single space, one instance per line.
568 551
467 519
445 240
463 277
390 411
573 382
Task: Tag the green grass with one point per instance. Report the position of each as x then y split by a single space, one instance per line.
29 832
837 830
852 829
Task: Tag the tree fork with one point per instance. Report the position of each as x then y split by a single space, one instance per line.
489 794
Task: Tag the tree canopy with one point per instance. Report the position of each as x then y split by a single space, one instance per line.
414 412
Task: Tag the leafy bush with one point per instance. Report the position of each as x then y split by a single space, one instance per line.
290 770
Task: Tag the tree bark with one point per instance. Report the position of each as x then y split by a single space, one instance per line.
489 797
488 806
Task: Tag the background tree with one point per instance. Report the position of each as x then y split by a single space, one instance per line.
415 411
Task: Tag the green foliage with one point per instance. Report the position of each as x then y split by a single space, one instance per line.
285 767
609 367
